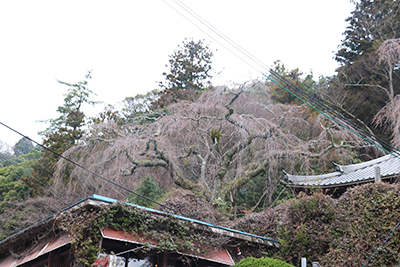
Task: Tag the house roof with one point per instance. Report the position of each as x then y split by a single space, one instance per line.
214 228
32 252
211 254
97 200
344 175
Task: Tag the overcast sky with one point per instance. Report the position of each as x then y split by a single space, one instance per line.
127 44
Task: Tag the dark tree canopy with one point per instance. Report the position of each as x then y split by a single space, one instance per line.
369 82
370 24
189 73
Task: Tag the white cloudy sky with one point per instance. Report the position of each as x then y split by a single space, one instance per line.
127 43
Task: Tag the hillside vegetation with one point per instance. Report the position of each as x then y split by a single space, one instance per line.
334 232
217 153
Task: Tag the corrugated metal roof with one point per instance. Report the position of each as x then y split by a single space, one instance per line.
349 174
214 228
39 250
209 253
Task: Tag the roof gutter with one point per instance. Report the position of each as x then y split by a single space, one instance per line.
214 228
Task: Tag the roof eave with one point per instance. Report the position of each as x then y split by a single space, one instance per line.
369 180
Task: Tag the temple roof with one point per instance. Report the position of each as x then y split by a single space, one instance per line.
388 165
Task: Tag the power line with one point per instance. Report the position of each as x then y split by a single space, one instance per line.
387 238
95 174
108 180
223 36
54 192
306 98
211 36
332 114
62 198
277 78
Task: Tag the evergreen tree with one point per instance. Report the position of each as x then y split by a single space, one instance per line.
149 189
189 74
369 84
296 77
63 132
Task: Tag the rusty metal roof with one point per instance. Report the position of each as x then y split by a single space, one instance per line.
389 166
213 254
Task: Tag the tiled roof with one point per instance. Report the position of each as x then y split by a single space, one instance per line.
389 166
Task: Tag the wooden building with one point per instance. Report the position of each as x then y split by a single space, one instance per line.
100 231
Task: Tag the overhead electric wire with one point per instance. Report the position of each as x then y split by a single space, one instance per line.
62 198
54 192
211 36
340 123
294 89
322 108
384 242
326 109
95 174
222 35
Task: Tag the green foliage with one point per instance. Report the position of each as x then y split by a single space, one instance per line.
215 136
108 114
140 108
23 146
281 194
44 168
304 232
249 194
11 186
189 74
262 262
62 133
370 23
70 112
223 206
88 251
32 155
367 82
149 189
13 160
295 76
170 232
333 232
366 216
7 159
253 192
11 190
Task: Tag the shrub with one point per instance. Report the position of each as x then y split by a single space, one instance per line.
367 215
262 262
149 189
304 225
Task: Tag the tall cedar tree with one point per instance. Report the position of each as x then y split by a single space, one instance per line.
189 74
366 79
62 133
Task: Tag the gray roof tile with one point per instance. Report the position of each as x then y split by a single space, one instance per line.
349 174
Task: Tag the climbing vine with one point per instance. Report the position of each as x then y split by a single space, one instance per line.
171 234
